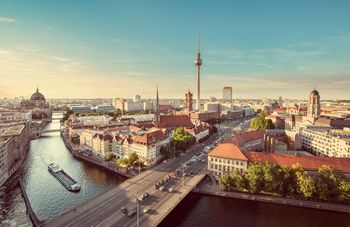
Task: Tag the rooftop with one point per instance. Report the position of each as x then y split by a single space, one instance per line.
229 151
307 162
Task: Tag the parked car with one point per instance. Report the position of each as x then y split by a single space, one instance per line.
161 188
131 212
143 196
124 210
147 209
170 190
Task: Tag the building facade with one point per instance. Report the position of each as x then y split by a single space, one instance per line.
227 94
321 142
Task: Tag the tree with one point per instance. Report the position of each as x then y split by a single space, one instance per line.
327 181
225 182
255 177
307 185
261 123
238 180
272 178
288 181
182 139
344 190
131 160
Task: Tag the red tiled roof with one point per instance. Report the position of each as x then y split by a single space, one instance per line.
307 162
150 137
175 121
241 139
103 137
197 129
165 107
229 151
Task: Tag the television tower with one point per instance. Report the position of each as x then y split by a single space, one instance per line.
198 63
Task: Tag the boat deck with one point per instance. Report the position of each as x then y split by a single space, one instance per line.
65 178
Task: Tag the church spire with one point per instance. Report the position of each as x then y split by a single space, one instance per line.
157 117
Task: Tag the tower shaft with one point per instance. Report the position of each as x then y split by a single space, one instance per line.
198 87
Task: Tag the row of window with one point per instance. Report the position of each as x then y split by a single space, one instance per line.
226 161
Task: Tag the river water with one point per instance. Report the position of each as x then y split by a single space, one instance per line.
49 198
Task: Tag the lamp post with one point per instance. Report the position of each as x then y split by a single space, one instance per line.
182 175
137 211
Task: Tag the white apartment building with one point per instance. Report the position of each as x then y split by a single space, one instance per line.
321 142
212 106
14 116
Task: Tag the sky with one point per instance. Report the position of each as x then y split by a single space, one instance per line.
106 49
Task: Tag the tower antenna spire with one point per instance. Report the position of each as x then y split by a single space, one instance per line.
199 40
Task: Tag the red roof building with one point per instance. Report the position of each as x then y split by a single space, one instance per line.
175 121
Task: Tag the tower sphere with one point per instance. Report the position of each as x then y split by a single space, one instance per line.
198 62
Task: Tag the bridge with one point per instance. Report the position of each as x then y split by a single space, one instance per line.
105 209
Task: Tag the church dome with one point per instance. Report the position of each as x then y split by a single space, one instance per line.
314 93
37 96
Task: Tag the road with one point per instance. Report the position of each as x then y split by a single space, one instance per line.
105 209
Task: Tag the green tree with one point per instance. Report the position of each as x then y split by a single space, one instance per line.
255 177
182 139
288 181
344 190
238 180
226 182
261 123
132 159
272 178
307 185
327 181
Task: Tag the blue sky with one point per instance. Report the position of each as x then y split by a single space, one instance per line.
120 48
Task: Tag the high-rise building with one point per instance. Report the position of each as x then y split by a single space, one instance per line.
314 107
227 94
198 63
189 101
137 98
280 101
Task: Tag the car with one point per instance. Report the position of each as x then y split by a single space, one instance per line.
147 209
202 160
131 212
143 196
124 210
161 188
170 190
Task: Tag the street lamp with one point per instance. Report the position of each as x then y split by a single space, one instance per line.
137 211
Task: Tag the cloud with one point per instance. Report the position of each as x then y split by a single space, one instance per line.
7 20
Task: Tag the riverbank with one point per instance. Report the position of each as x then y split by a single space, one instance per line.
35 220
215 190
75 151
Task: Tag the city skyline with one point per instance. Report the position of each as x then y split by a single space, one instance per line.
118 50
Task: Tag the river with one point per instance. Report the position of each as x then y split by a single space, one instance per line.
49 198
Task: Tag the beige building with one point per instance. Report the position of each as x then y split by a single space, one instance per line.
225 158
322 142
14 143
